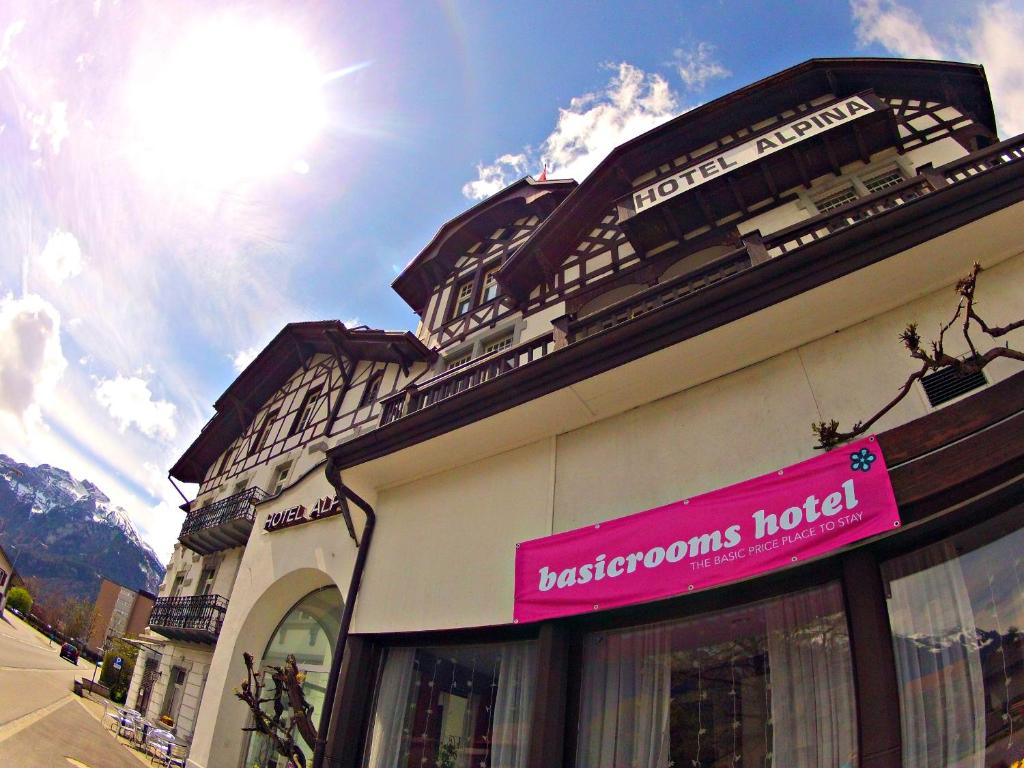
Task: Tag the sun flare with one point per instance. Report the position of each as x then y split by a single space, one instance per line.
231 100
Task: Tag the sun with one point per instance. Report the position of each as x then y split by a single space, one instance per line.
231 100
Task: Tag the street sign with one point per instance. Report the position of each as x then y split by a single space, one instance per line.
118 662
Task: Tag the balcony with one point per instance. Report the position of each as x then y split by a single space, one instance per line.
197 619
472 374
223 524
662 302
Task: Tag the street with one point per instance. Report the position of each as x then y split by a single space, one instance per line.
42 723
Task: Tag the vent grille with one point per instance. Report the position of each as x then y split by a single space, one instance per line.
947 384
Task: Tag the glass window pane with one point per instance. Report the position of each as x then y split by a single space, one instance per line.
309 632
454 707
762 685
956 611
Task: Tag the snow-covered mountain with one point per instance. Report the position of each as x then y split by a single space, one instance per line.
67 533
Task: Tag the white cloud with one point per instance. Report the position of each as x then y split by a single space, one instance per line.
993 40
495 177
13 30
696 66
52 124
61 258
593 124
129 400
31 360
243 357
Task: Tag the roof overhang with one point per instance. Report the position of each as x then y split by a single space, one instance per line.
272 367
961 85
436 261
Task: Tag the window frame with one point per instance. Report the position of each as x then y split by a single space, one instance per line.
259 440
371 389
307 410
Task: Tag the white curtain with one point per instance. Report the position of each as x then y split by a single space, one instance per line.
513 706
627 689
812 704
387 738
937 659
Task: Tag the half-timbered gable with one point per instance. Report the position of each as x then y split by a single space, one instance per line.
452 283
818 138
314 381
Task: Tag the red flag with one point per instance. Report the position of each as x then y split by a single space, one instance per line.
543 174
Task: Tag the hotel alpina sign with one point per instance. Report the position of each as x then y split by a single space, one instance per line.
805 127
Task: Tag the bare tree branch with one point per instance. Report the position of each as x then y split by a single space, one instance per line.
828 432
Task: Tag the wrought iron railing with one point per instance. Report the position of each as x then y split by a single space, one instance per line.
197 613
658 296
235 507
451 383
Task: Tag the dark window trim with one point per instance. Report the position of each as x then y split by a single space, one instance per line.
255 446
312 394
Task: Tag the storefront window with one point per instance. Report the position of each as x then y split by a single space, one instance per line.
768 684
309 632
454 707
957 615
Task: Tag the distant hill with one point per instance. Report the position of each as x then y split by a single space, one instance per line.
86 537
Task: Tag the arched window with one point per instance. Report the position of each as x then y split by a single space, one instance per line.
308 631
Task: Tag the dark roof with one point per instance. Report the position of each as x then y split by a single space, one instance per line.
272 367
961 85
436 261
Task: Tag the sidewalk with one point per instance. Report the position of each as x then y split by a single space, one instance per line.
98 707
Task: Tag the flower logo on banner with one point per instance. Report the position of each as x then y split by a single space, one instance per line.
861 460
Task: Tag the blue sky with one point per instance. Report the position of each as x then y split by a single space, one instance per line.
178 180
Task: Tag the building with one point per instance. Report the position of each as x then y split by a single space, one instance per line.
647 342
7 579
120 612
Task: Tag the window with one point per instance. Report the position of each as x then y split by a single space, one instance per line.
175 689
884 180
463 299
497 345
179 580
280 478
371 389
206 581
455 362
307 410
957 611
454 706
768 684
490 285
835 200
309 632
262 436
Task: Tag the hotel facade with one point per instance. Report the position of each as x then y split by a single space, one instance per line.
578 517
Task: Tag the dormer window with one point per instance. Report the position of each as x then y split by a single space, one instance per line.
307 411
463 298
489 292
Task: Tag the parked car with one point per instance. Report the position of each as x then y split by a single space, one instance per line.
70 652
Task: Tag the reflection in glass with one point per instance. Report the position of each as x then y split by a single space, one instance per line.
956 610
767 684
454 707
309 631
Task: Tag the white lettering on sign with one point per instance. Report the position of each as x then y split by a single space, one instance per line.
750 151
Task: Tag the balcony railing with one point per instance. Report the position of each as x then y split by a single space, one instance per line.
464 378
223 524
197 618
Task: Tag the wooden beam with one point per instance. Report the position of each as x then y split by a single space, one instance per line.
833 160
801 166
862 148
402 360
671 223
736 193
704 207
297 345
769 179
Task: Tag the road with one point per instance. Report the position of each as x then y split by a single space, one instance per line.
42 723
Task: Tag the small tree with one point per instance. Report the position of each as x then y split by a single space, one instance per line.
291 711
118 680
19 599
933 356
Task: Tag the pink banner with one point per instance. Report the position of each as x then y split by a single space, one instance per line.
772 521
